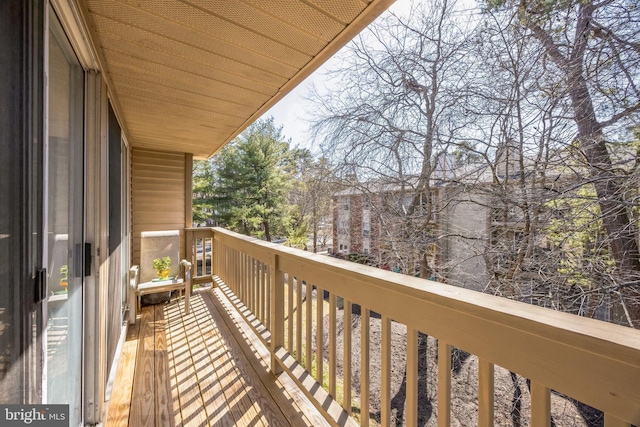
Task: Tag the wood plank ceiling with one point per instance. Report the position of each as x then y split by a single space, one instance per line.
190 75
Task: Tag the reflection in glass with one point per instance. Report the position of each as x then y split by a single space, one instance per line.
64 224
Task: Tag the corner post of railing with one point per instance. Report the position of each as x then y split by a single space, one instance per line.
277 311
189 238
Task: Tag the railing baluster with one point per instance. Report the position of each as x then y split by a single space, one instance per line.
385 392
195 255
246 273
245 279
236 262
255 280
254 288
299 320
215 256
236 273
268 290
261 286
364 367
346 355
611 421
290 313
309 328
332 345
200 257
211 245
206 271
444 384
277 312
540 405
243 282
232 270
485 393
228 262
319 334
221 259
203 255
256 285
412 377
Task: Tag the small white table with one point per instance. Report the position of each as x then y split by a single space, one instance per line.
137 290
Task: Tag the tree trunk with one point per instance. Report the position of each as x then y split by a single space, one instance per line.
621 233
267 233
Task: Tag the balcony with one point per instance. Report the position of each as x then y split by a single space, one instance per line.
273 306
200 369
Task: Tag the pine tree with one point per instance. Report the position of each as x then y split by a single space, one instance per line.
203 192
252 182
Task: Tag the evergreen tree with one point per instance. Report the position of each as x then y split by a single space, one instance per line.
252 184
203 192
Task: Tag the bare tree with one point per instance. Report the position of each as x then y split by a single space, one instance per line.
315 185
591 52
395 115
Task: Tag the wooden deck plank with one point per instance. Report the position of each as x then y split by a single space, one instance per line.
163 402
172 314
143 397
287 395
202 369
191 403
248 347
120 402
215 404
235 388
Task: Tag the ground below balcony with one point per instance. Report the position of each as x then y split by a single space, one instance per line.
202 369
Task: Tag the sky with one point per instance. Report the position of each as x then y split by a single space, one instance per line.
291 112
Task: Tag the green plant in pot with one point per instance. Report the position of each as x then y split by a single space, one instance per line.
162 267
64 277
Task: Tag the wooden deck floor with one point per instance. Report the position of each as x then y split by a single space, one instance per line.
201 369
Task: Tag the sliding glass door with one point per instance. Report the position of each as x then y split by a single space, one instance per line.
64 217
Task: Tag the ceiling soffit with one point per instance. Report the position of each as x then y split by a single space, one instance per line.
191 75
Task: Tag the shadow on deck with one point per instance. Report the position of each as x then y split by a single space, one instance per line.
206 368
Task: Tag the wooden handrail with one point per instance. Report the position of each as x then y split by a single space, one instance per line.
594 362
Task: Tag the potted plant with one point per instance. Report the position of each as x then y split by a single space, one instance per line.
162 267
64 277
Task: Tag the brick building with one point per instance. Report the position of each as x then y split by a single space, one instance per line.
447 243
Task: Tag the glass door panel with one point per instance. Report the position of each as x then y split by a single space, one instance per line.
65 172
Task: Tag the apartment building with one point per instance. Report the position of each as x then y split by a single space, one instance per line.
378 225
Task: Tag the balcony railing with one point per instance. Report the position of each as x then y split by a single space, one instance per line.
593 362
